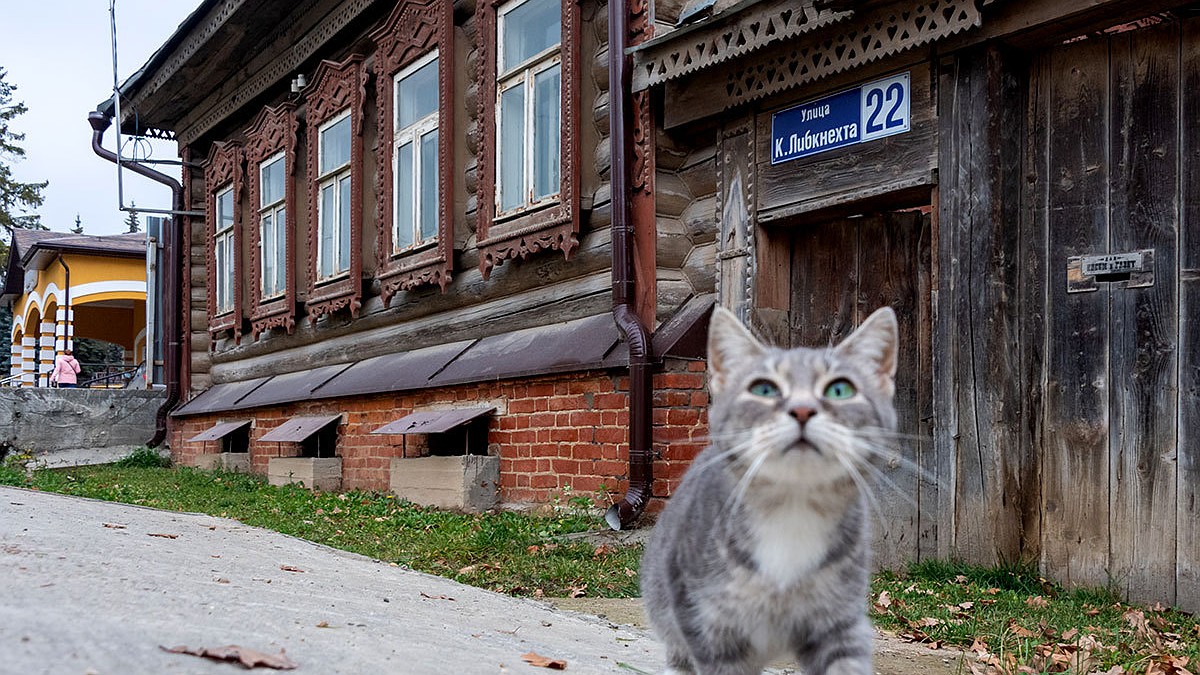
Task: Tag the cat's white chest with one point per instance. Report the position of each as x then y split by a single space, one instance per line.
790 543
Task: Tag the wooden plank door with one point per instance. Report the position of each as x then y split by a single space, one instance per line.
841 272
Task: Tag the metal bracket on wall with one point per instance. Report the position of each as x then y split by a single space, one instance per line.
1122 270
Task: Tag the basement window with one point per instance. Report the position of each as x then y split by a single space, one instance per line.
234 436
448 432
315 435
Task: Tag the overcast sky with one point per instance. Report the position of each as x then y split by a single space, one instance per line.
58 53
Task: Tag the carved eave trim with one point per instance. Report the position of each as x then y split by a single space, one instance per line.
223 104
551 227
336 87
413 29
876 34
273 131
727 36
223 167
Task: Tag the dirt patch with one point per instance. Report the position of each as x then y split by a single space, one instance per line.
892 655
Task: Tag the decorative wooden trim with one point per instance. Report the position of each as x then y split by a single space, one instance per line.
551 227
687 50
223 167
274 130
413 29
736 196
876 34
335 88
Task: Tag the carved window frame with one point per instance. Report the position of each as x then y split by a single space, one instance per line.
223 169
413 30
336 88
273 131
556 225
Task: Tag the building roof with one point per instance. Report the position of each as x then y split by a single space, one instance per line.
35 249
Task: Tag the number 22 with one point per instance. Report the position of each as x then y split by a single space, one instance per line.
875 101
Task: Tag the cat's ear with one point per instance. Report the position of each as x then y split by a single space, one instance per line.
729 343
877 342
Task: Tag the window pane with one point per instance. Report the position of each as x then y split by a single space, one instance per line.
528 30
281 261
327 226
272 182
546 141
344 224
219 255
335 145
429 185
417 95
405 218
511 175
268 254
224 210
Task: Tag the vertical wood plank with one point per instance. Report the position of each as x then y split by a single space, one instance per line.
1142 432
1075 517
979 318
888 275
824 283
1188 477
928 497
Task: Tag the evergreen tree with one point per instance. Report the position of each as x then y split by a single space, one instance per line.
15 197
78 229
132 219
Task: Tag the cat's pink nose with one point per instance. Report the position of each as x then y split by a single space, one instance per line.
802 413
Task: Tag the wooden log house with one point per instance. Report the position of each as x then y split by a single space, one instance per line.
413 217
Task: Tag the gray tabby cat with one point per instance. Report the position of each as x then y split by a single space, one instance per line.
763 550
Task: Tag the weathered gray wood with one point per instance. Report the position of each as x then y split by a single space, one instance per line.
979 329
847 174
1075 520
1188 477
824 283
1142 431
888 259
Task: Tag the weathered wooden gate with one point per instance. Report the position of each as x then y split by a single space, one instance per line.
841 272
1113 161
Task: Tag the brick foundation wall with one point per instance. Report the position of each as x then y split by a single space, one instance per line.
553 434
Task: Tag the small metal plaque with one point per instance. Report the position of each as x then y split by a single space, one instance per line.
1118 270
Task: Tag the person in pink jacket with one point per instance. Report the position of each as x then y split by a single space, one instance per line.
65 370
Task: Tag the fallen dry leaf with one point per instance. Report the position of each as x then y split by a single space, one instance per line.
248 658
980 646
323 624
164 536
535 659
437 597
883 601
114 526
602 550
1037 601
290 568
578 591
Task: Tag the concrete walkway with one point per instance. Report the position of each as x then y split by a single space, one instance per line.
87 587
94 587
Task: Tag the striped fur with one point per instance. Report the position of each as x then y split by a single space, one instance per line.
762 550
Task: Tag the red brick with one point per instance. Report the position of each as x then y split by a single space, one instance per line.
585 418
543 480
683 416
611 435
524 405
611 401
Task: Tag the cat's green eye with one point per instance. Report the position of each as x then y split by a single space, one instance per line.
840 390
765 388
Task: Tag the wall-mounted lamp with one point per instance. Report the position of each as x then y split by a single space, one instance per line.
298 83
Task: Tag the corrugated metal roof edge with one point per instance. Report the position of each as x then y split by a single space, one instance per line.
610 361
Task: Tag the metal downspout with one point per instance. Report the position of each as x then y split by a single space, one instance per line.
172 236
68 342
641 462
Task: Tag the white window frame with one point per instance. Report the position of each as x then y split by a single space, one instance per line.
272 210
333 177
413 134
523 74
223 250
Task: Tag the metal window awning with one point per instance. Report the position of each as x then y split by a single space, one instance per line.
299 429
218 431
433 421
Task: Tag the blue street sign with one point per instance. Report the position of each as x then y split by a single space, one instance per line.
865 113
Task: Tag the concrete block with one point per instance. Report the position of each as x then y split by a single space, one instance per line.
468 482
239 462
209 461
314 473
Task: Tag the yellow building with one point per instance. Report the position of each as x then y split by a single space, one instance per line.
65 286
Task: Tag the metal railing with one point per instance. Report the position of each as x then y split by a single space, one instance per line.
110 375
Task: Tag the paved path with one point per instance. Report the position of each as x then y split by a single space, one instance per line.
86 588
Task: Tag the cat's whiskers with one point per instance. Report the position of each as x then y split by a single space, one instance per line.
863 487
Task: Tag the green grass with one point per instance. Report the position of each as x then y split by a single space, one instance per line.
514 553
1021 622
1013 619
